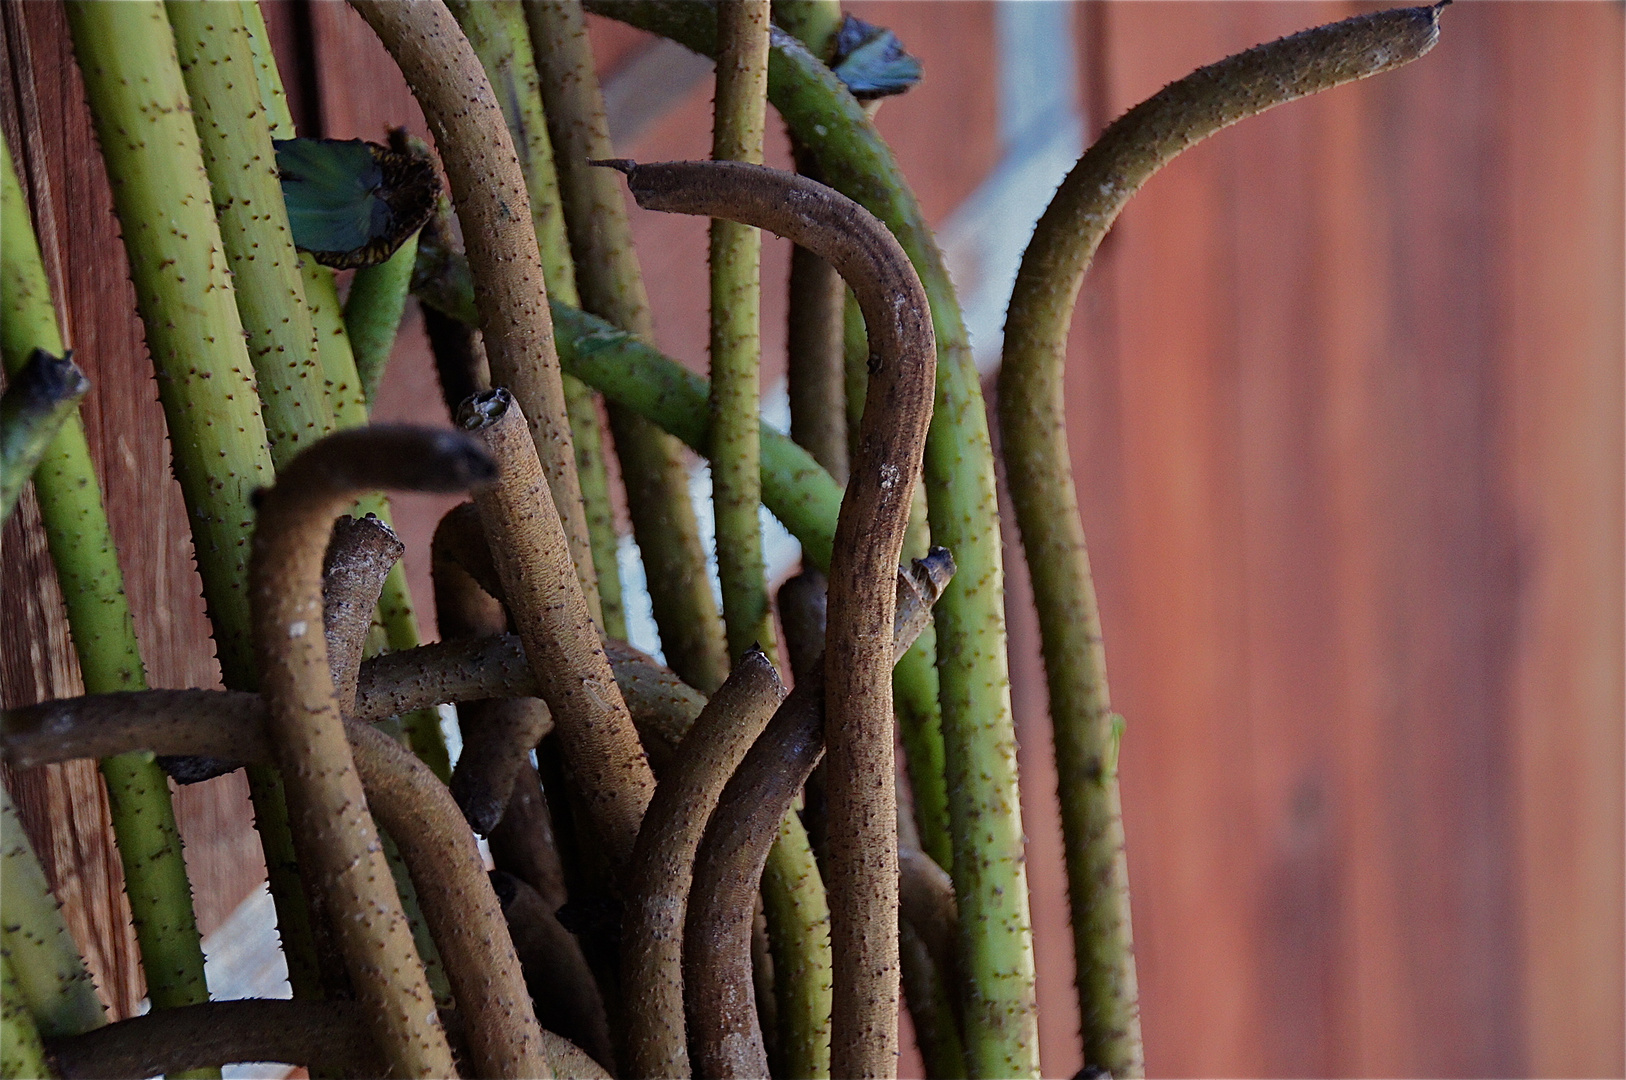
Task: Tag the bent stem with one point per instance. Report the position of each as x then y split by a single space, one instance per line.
494 208
1033 423
339 852
862 863
663 864
500 38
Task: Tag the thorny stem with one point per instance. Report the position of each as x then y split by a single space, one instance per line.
339 851
495 211
735 403
50 978
978 726
1033 423
498 737
373 310
611 285
21 1052
327 1034
862 862
464 916
500 38
550 613
359 555
346 397
82 548
663 865
38 400
217 62
556 973
729 864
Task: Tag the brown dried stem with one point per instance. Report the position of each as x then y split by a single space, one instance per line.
359 556
663 864
561 640
862 865
716 949
494 208
339 852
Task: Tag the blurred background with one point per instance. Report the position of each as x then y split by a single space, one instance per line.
1346 407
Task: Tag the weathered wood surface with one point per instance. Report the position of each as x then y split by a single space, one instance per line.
1346 403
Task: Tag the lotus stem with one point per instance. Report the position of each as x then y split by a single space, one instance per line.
49 976
37 402
611 286
561 641
561 984
21 1052
498 737
459 904
1033 423
736 334
716 952
862 864
495 210
663 864
373 310
81 544
498 33
339 850
799 935
978 726
234 133
346 397
359 555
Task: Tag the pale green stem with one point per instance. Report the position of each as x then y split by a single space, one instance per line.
22 1055
1033 420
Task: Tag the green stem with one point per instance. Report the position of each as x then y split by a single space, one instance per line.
217 64
736 335
22 1055
103 630
41 397
799 932
611 285
35 940
813 22
1033 420
348 402
497 31
373 310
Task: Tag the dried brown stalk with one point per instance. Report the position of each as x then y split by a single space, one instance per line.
725 1037
663 864
359 556
339 852
862 865
494 208
561 640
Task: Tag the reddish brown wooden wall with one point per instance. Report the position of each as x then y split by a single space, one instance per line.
1346 403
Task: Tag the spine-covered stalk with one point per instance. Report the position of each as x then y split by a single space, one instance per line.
21 1052
611 285
51 979
1032 414
81 545
497 31
736 333
494 208
346 396
217 63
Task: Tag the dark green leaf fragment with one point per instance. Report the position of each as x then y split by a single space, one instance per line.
352 203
